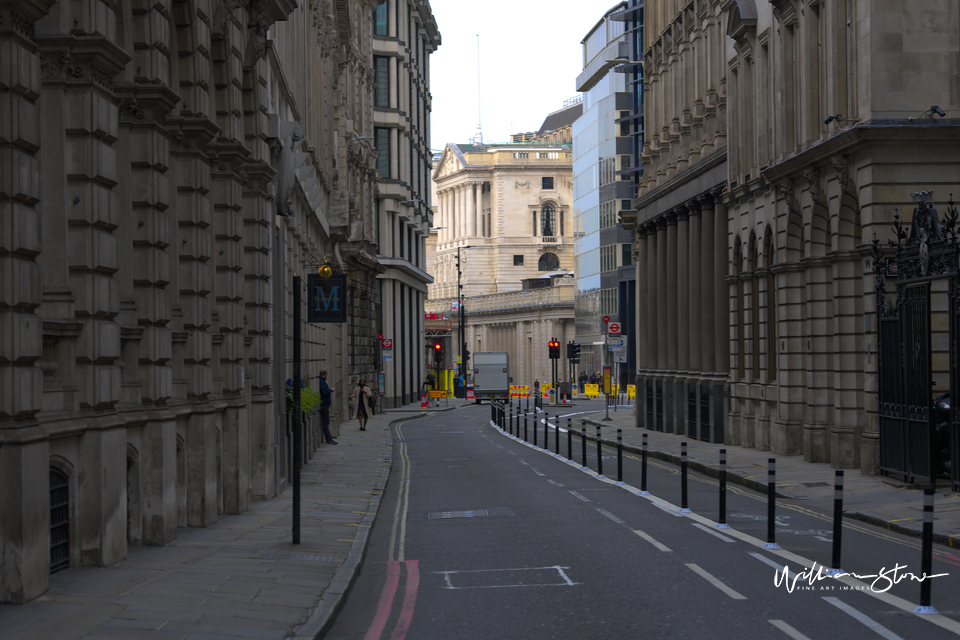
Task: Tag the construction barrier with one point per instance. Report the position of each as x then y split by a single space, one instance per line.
631 391
591 390
438 393
519 391
470 395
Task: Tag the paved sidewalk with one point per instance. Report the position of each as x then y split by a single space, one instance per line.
878 500
241 577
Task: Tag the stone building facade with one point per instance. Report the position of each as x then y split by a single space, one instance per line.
680 224
404 37
167 169
820 119
507 211
830 108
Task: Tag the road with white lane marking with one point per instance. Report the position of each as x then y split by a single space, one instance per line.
481 535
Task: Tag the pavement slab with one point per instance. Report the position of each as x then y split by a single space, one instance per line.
240 577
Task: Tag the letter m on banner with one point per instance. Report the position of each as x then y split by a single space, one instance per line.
326 298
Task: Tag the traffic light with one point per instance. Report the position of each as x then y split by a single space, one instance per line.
576 350
570 352
466 357
438 353
554 349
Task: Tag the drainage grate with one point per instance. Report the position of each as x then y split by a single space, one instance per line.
816 484
443 515
474 513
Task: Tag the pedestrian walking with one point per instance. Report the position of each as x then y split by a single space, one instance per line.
593 378
431 381
326 394
583 381
361 400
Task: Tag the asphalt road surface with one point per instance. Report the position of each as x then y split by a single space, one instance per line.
481 535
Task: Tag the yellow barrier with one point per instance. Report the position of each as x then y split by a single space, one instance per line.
631 391
592 390
519 391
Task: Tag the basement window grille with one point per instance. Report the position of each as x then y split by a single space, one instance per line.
59 521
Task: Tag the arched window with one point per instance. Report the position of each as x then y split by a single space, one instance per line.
548 220
549 262
59 520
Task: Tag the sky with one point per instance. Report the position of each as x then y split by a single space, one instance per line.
530 56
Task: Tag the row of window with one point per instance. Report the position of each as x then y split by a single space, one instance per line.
610 210
547 262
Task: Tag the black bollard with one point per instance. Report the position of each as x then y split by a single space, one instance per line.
684 508
643 467
569 441
926 557
771 504
546 431
526 437
535 430
599 455
583 443
511 415
837 518
723 490
619 456
556 440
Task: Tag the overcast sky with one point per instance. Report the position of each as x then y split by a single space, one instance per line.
529 60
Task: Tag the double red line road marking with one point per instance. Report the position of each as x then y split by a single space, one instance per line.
389 594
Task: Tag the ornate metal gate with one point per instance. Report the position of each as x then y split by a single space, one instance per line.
926 253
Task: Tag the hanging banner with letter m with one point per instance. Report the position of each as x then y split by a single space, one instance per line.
326 298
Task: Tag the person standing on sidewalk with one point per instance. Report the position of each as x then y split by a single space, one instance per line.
326 394
361 400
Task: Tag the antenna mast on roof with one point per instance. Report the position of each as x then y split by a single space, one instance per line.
478 139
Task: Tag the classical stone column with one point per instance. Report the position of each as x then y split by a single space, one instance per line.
720 400
641 348
706 304
663 318
478 192
653 343
448 219
683 288
471 209
672 399
694 290
683 319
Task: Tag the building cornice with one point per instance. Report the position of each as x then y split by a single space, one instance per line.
713 161
871 132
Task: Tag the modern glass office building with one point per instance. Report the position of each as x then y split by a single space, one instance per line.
606 166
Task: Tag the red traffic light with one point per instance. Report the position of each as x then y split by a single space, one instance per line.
437 346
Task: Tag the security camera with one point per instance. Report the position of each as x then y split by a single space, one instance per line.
937 110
